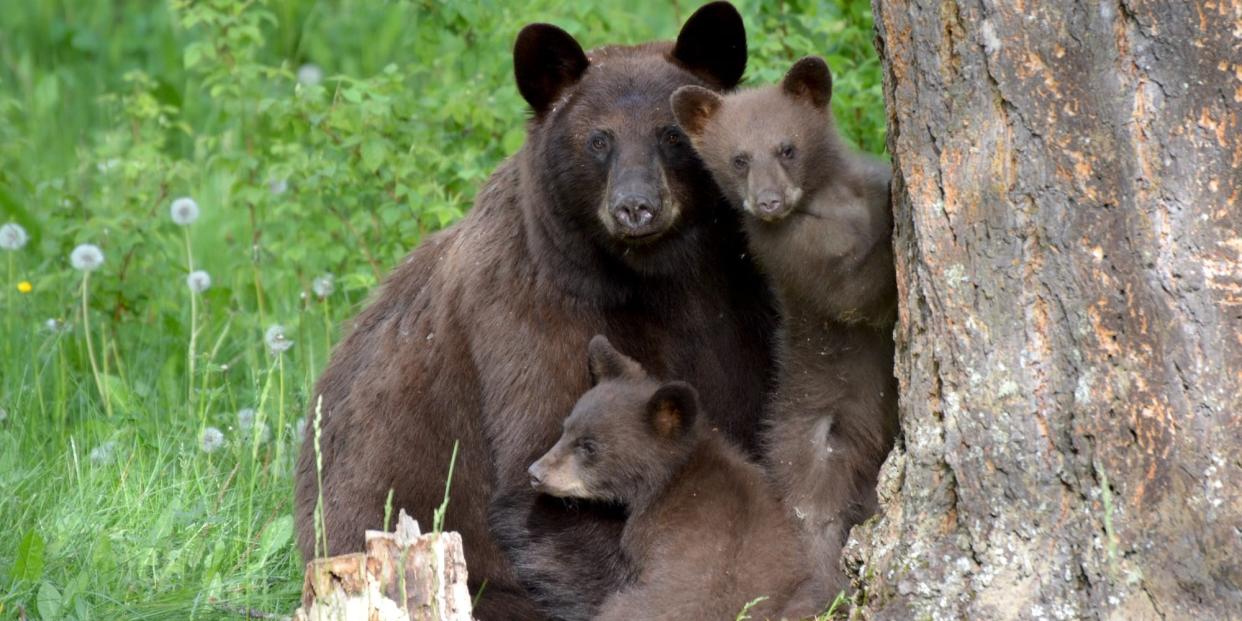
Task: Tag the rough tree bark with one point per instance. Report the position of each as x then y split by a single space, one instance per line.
1069 251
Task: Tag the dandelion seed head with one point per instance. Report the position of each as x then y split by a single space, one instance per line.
299 429
323 286
184 211
278 186
310 74
13 236
4 414
245 419
103 454
212 440
86 258
277 342
108 164
198 281
264 432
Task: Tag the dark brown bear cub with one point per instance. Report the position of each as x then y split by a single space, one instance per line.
706 533
819 223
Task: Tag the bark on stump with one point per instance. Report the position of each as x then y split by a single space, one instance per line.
1069 257
403 576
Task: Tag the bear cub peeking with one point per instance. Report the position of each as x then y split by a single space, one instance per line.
705 531
818 221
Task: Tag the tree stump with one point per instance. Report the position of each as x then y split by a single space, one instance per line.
403 576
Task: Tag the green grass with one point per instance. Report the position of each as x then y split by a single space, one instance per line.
111 110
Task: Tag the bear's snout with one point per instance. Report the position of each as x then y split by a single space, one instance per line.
536 473
636 204
634 211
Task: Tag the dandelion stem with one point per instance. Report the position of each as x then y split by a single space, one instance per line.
280 414
90 349
8 316
189 259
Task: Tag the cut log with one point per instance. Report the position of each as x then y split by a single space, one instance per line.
403 576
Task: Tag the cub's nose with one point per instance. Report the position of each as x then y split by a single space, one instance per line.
536 475
634 211
769 203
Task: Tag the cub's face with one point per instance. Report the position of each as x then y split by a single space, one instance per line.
604 142
765 147
624 437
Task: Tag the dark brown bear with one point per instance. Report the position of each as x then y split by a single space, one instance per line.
604 222
820 226
706 532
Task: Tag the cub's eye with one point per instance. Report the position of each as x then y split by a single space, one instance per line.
787 151
672 137
741 163
598 142
587 447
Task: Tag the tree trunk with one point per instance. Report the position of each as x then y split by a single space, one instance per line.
1069 257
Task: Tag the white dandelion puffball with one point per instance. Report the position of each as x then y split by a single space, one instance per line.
278 186
212 440
323 286
310 74
103 454
86 258
245 419
277 342
299 429
184 211
198 281
13 236
4 414
264 432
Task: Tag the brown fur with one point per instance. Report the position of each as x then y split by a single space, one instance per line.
819 224
706 533
477 335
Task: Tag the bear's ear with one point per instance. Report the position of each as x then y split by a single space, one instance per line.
809 79
546 61
672 409
605 362
712 45
694 106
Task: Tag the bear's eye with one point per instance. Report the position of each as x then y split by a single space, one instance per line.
787 151
598 142
672 137
587 447
741 163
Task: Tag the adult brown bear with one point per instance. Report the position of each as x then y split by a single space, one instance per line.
604 222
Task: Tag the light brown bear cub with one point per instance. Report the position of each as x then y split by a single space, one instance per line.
706 532
819 223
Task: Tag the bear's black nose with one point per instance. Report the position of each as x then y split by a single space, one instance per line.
634 211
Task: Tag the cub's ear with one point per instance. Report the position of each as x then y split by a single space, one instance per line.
546 61
712 45
672 409
809 79
605 362
694 106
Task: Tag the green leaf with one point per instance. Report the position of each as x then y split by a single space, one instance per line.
49 601
374 151
277 535
29 564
